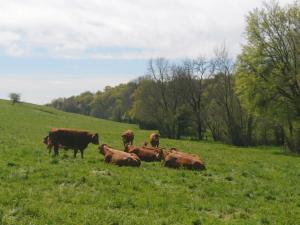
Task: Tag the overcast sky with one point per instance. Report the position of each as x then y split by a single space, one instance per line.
58 48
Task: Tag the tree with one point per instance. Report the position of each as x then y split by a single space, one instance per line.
192 83
268 71
15 98
157 99
226 113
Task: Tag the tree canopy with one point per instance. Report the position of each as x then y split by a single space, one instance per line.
268 69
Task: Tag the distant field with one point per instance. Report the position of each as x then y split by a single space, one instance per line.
240 185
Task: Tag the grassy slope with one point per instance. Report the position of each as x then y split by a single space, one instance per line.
240 185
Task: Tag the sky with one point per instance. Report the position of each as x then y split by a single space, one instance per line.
59 48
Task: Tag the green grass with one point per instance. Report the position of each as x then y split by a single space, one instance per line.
240 185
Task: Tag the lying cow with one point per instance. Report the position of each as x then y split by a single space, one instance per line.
73 139
176 159
154 140
127 137
145 153
119 158
175 150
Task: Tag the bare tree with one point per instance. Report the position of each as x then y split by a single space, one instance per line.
192 83
238 123
166 95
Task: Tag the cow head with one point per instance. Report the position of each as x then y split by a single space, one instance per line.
124 138
173 149
127 133
101 149
155 136
45 140
95 139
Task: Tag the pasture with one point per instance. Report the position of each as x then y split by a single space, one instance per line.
240 186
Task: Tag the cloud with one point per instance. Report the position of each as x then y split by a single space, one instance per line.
43 90
75 28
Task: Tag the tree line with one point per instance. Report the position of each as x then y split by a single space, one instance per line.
252 100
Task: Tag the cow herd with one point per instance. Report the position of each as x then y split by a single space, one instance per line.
78 140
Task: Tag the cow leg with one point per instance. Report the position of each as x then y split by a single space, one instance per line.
75 152
49 149
65 151
55 150
107 158
81 151
171 163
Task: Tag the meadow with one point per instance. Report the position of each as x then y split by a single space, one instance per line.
258 185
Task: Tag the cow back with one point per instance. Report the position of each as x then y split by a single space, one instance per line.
70 138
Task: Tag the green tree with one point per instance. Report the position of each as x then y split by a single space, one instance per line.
15 98
268 71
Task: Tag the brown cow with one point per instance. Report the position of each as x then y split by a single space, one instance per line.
154 140
127 137
73 139
175 150
177 160
145 153
119 158
47 142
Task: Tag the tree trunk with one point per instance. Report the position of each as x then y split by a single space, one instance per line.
199 131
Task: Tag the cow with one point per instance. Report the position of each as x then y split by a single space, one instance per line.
175 159
154 140
73 139
127 137
47 141
175 150
119 158
145 153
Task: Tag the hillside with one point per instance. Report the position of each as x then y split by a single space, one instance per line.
240 185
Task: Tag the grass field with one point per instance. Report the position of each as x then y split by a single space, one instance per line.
240 185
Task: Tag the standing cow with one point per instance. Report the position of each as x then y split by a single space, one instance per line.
127 137
154 140
73 139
